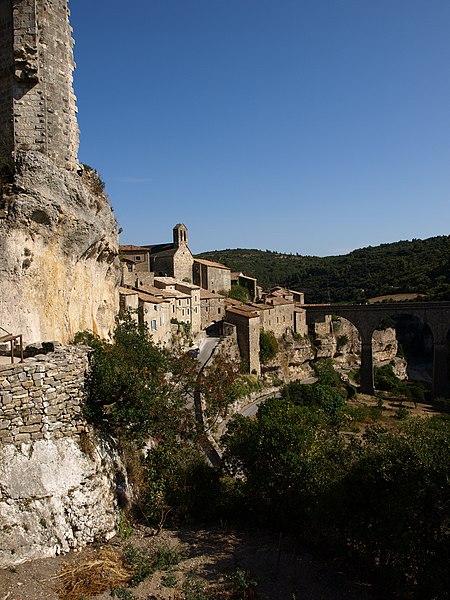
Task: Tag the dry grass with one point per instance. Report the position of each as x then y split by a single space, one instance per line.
93 574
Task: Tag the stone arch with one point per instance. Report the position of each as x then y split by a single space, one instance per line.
414 343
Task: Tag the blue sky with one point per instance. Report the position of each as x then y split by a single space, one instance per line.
309 126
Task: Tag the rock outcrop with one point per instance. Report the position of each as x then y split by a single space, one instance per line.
57 478
55 495
58 253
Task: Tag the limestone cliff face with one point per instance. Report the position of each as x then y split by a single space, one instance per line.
58 253
338 341
54 497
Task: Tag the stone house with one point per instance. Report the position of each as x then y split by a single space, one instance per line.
280 292
276 316
211 275
194 314
212 307
157 314
139 255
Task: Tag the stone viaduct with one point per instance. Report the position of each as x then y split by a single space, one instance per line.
366 317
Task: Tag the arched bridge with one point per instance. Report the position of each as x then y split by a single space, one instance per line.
366 317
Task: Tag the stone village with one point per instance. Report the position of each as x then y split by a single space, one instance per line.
62 271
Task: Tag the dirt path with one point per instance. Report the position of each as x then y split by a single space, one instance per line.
209 559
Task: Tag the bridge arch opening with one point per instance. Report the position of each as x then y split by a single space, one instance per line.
407 343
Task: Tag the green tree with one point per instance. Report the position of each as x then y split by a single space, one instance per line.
238 292
283 459
135 389
268 346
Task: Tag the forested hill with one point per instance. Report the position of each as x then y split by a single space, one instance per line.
417 266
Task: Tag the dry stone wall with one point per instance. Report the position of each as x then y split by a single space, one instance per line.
41 399
57 479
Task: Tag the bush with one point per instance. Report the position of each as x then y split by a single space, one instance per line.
318 396
386 380
240 293
326 373
283 459
268 346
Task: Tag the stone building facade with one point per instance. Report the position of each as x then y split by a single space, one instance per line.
156 313
212 307
187 300
37 108
211 275
276 316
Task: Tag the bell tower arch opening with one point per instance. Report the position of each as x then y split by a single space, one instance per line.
180 235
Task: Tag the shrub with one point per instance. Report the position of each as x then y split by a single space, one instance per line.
268 346
238 292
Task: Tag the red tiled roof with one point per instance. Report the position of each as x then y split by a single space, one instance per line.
131 248
211 263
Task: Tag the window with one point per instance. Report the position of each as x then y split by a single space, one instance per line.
137 258
155 306
153 325
161 320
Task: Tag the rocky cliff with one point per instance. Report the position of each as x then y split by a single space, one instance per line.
58 252
338 340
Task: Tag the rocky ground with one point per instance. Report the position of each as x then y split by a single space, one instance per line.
212 564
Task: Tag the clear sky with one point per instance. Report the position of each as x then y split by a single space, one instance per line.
309 126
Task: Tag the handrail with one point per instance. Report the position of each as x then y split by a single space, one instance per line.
11 338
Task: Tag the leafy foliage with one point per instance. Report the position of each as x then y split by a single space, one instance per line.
417 266
129 390
238 292
268 346
283 458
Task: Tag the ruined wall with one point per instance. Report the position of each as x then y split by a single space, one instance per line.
57 480
36 59
248 330
6 74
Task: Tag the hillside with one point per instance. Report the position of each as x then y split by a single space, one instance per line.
405 267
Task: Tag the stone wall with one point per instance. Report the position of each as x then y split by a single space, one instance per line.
57 479
6 71
182 264
42 397
248 331
37 85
